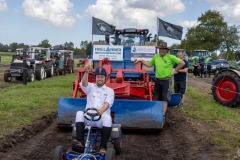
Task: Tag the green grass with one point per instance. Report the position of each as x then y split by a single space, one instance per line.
6 57
221 124
22 104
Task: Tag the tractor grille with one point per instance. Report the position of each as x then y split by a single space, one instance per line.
16 65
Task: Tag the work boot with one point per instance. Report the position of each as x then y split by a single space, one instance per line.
180 105
105 134
78 142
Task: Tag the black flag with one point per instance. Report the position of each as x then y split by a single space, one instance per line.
99 27
169 30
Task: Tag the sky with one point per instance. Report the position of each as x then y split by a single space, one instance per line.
59 21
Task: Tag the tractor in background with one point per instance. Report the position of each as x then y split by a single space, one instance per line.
134 107
43 60
199 56
16 67
226 86
64 61
175 52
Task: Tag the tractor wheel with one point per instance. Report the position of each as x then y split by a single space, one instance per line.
117 143
70 70
110 154
225 88
50 70
7 76
31 76
40 72
59 153
45 74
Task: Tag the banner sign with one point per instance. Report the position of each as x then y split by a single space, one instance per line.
113 53
144 52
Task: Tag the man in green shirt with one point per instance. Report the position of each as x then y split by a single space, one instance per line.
163 62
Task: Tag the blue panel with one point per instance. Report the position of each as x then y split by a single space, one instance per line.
138 114
117 64
113 74
129 65
131 74
127 53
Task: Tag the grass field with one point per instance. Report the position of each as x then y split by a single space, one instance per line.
220 124
6 57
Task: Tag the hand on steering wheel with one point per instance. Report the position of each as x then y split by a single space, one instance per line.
92 114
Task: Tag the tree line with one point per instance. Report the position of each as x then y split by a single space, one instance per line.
85 46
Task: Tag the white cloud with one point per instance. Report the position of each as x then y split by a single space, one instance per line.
3 6
230 9
189 24
56 12
134 13
79 16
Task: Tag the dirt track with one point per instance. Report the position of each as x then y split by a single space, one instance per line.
178 140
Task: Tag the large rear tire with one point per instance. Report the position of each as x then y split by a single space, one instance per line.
110 154
7 76
31 76
50 70
40 72
225 88
59 153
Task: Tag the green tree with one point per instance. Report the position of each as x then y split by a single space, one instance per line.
214 56
231 40
45 44
88 49
13 46
69 46
84 44
208 34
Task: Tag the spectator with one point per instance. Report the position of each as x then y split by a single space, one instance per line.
209 68
180 79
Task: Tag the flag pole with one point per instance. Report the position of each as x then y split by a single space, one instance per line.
92 30
157 32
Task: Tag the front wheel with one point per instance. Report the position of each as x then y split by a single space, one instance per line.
117 143
60 153
7 76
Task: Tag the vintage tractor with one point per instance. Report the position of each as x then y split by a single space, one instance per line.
44 62
16 67
64 61
133 84
226 86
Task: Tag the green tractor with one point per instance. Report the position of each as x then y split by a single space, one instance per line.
199 56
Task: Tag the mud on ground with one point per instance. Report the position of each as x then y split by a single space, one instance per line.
178 140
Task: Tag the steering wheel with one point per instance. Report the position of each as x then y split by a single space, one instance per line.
92 114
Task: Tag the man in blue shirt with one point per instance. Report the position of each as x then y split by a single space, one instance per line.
180 79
